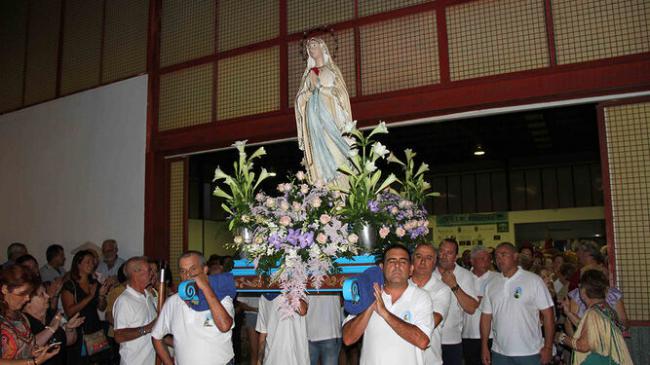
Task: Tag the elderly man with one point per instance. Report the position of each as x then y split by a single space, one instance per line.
135 313
397 327
481 262
424 262
511 307
110 263
589 257
463 301
200 337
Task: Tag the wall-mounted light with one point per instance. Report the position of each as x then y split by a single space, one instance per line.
479 151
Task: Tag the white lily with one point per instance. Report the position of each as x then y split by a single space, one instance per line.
379 149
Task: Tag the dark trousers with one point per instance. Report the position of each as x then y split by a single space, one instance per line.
472 351
452 354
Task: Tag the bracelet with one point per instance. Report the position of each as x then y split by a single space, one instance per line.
455 288
50 329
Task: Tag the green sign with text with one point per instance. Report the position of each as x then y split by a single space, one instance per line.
450 220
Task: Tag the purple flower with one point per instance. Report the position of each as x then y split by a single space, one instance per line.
275 240
293 237
373 205
306 239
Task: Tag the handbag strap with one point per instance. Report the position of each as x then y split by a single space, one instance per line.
74 287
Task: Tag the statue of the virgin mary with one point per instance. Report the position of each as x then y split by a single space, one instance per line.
322 114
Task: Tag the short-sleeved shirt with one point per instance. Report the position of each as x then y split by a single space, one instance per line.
132 310
382 345
49 274
453 329
103 269
324 317
514 304
197 340
472 322
286 338
441 299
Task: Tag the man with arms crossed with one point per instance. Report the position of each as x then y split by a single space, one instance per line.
424 261
396 328
200 338
135 313
511 306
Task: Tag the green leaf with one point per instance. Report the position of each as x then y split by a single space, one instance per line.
344 168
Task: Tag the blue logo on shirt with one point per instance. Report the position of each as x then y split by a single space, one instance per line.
518 292
406 316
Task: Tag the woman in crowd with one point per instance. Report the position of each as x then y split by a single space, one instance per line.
84 295
47 325
53 289
18 343
598 338
575 306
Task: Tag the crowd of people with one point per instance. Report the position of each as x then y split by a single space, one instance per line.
503 305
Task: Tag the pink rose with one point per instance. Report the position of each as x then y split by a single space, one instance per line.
400 232
316 202
285 220
325 218
304 189
321 238
353 238
384 231
296 206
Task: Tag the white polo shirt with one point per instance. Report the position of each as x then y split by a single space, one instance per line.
382 345
131 310
286 338
324 317
441 298
472 324
197 340
515 303
451 332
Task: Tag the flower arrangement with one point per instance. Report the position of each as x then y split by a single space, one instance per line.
301 233
409 221
242 185
365 179
413 186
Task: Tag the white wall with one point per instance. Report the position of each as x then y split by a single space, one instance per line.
72 170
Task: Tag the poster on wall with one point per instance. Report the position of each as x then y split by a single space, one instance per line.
472 229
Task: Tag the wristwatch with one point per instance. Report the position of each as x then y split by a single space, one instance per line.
455 288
